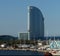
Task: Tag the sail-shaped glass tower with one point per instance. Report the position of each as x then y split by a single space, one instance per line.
35 23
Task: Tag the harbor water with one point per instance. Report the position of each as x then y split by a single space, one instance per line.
21 52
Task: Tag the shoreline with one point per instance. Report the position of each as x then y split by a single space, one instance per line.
42 51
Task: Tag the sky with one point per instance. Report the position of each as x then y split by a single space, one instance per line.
14 16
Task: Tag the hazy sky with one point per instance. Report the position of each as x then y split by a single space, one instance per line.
13 16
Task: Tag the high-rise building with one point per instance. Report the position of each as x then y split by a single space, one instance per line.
35 23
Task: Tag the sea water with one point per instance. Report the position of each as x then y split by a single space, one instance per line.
20 53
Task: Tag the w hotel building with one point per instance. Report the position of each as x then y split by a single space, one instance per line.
35 23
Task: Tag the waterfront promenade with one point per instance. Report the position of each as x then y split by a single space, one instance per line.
33 50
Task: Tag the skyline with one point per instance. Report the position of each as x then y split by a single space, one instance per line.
14 16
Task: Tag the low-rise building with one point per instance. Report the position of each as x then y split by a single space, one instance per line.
23 36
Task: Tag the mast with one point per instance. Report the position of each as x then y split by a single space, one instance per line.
47 38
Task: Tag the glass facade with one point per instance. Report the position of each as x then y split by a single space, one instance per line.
35 23
23 36
55 45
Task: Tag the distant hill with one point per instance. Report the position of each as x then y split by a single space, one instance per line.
7 37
